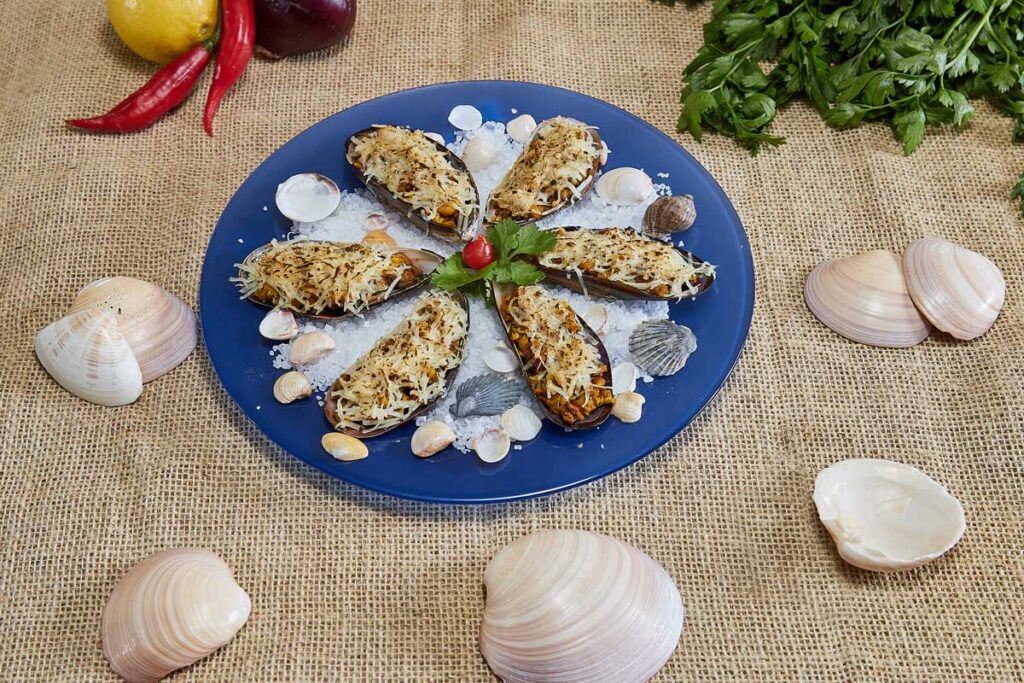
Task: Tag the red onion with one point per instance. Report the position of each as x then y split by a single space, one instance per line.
288 27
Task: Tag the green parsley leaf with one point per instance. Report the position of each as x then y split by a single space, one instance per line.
510 241
453 273
1018 193
518 272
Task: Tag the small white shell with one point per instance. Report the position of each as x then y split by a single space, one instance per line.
596 317
309 348
479 153
492 446
465 117
344 447
628 406
430 438
279 325
960 291
624 186
170 610
886 516
436 137
291 386
624 378
376 221
307 197
520 423
521 128
501 359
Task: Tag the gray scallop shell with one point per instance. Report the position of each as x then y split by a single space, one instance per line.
661 347
485 395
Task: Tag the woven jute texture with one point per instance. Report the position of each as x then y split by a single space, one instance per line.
350 585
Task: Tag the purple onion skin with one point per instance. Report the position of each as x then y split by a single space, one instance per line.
291 27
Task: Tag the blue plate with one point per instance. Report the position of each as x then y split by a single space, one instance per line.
555 460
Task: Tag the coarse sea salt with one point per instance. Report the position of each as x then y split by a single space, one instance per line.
355 336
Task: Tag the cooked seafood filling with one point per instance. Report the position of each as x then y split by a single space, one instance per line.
551 171
415 170
622 256
329 278
405 370
563 367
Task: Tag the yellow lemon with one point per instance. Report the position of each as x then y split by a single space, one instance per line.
160 30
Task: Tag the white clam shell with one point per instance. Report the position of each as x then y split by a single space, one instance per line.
279 325
86 353
430 438
158 326
864 298
307 197
292 386
574 606
501 359
465 117
960 291
520 423
479 153
344 447
170 610
628 406
436 137
492 446
596 317
624 186
310 347
521 128
886 516
624 378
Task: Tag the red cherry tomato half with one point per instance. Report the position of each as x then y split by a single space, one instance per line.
479 253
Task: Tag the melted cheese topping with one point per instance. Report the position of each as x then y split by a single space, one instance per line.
405 370
624 257
563 366
415 170
553 169
325 277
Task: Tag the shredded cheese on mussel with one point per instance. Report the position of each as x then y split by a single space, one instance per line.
624 257
325 278
416 171
552 170
405 370
563 366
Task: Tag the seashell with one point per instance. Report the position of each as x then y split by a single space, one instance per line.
436 137
309 348
864 298
603 159
661 347
376 221
574 607
430 438
158 326
521 128
628 406
291 386
520 423
624 378
960 291
479 153
667 215
379 238
86 353
171 610
307 197
886 516
485 395
624 186
492 446
597 318
501 359
465 117
344 447
279 325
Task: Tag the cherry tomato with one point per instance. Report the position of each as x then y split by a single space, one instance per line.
479 253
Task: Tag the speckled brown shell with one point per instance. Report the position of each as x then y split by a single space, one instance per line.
667 215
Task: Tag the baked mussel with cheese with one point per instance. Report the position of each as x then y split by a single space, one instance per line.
329 280
418 177
622 263
405 372
555 169
563 360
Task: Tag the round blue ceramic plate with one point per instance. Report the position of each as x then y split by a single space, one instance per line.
554 460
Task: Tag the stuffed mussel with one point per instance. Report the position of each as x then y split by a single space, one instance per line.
622 263
405 372
564 362
418 177
331 279
556 169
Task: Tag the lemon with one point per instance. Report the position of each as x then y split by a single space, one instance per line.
160 30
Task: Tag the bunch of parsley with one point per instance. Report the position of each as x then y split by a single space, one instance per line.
510 241
909 63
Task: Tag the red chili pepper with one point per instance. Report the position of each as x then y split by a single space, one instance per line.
238 29
168 88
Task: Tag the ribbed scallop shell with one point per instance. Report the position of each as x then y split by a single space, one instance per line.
485 395
573 606
864 298
170 610
960 291
661 347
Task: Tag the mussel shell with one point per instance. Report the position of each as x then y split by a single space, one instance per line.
618 290
331 403
384 196
501 290
424 259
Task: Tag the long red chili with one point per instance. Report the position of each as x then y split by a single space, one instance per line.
167 88
238 33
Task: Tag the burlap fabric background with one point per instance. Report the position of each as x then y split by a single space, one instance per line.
349 585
